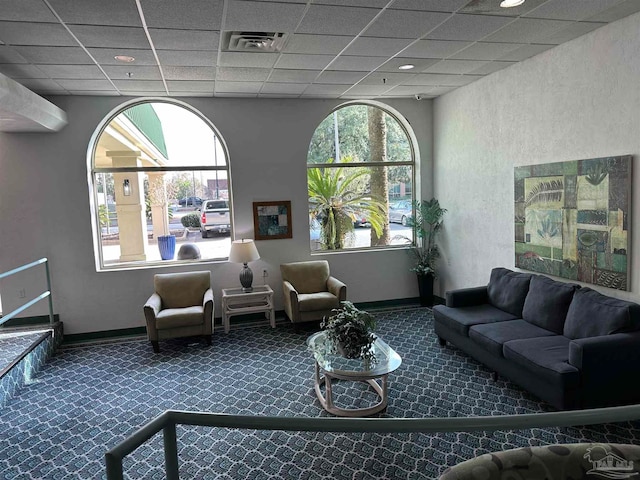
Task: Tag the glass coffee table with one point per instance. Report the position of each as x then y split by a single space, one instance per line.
331 365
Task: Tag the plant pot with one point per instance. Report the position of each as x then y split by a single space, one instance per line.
167 246
425 287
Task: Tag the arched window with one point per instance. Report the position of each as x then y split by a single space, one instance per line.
160 187
360 173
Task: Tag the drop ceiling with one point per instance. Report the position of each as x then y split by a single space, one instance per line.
332 48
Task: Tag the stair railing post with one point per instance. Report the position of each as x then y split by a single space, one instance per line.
171 450
46 267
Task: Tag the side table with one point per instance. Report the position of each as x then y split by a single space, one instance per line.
237 302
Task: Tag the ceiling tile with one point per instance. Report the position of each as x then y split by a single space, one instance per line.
293 76
574 30
284 88
242 74
340 77
189 73
385 78
143 93
23 33
418 63
468 27
198 15
617 12
191 94
101 93
434 49
316 44
492 7
41 84
430 5
191 86
248 59
304 62
357 64
491 67
368 90
235 95
238 87
98 12
110 37
21 70
278 95
436 79
353 3
133 85
11 55
405 24
409 90
70 84
26 11
377 47
121 72
320 89
184 39
440 91
570 9
263 16
72 71
194 58
55 55
333 20
524 52
106 56
527 30
485 51
455 66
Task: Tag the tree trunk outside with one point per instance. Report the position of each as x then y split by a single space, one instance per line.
379 182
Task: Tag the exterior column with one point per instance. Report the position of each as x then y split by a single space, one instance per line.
132 222
159 207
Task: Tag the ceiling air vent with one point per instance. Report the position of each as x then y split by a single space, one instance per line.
254 41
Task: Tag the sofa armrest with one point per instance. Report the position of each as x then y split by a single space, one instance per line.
291 306
208 306
153 306
608 367
467 297
338 288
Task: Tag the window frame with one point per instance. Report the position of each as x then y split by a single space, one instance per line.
404 125
94 171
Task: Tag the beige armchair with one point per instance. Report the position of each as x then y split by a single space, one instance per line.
182 306
310 292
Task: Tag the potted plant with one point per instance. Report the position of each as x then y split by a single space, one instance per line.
350 332
426 224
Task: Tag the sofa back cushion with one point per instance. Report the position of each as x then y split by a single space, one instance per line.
547 303
592 314
507 290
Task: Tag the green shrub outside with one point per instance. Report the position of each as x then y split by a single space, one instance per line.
191 220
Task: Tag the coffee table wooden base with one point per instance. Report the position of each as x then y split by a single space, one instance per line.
327 400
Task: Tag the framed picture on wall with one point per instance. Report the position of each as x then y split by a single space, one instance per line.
272 220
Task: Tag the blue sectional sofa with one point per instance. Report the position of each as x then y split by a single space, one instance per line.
572 347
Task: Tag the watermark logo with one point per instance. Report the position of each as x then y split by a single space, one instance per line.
607 464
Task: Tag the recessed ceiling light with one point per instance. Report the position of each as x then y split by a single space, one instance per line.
124 58
406 66
511 3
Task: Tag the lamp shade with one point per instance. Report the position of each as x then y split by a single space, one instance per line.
243 251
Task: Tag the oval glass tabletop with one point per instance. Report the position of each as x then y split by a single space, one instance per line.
387 360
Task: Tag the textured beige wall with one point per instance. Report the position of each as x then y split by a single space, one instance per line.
578 100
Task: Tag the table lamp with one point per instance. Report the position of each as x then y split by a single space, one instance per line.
244 251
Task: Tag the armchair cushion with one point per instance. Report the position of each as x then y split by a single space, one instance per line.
307 277
179 290
179 317
309 302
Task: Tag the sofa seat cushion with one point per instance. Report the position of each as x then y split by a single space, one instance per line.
492 336
179 317
592 314
460 319
507 290
547 303
308 302
544 357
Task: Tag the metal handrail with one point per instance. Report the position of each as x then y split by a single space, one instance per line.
45 294
168 420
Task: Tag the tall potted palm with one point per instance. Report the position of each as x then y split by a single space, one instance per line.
336 197
426 224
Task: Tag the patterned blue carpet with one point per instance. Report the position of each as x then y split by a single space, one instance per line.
87 399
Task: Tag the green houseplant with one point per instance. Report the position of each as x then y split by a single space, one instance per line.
350 332
426 224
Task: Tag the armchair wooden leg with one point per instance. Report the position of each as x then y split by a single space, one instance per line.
156 347
207 339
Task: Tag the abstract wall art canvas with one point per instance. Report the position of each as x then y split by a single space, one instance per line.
572 220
